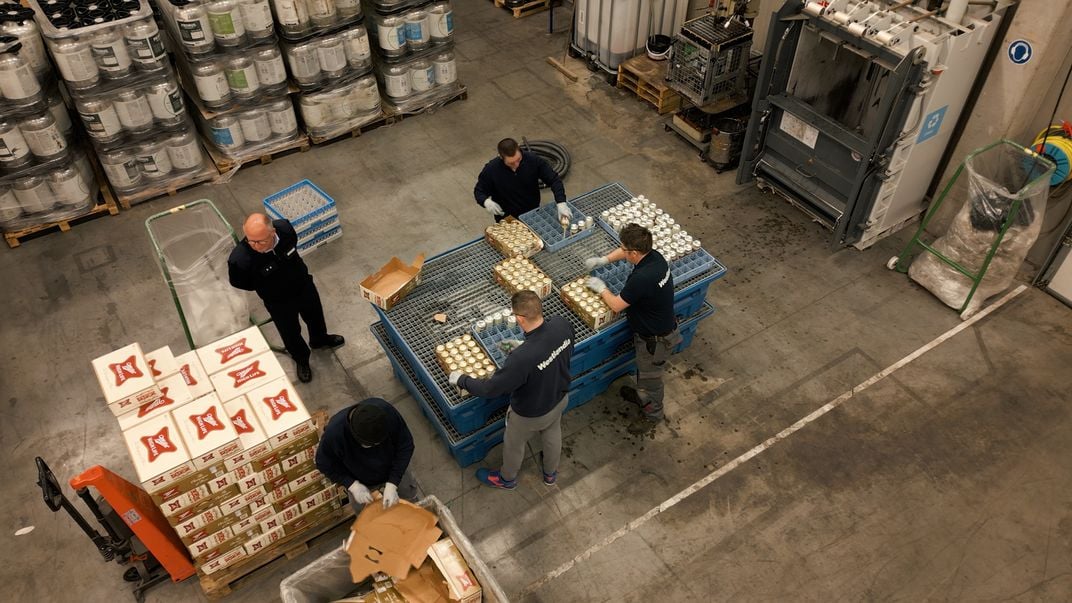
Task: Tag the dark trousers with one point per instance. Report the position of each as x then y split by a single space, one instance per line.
304 301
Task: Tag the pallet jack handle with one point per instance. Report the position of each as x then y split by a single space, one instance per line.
55 500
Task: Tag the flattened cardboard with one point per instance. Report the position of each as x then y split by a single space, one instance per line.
392 282
232 350
247 376
461 582
281 412
391 540
193 374
426 585
207 431
250 431
173 394
161 363
125 379
158 452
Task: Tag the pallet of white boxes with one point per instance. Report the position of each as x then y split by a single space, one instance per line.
223 444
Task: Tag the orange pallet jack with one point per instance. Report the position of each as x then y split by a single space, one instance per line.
136 531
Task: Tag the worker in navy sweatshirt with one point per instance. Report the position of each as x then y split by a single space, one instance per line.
536 375
365 447
509 185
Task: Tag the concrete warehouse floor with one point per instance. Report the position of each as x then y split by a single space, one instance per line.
949 480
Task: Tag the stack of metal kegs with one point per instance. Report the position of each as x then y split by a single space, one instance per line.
44 174
414 52
232 67
111 56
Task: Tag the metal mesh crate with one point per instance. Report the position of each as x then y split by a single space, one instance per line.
603 198
303 204
544 222
710 58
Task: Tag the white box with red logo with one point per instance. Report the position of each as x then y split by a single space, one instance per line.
159 455
247 376
194 374
207 431
125 379
185 501
173 394
161 363
244 499
261 542
232 350
281 412
226 559
250 432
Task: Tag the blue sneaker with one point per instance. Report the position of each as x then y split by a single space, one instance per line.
548 478
493 479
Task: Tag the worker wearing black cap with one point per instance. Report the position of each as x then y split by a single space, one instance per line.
365 446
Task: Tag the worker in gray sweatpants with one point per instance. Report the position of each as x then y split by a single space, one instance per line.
536 375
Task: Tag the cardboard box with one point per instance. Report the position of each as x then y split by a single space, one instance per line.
291 463
461 583
263 541
425 585
226 521
390 540
304 480
213 540
173 394
247 376
242 499
281 412
161 363
312 518
125 379
194 374
175 517
272 472
226 559
280 454
197 478
159 455
392 282
250 482
233 350
187 500
190 527
207 431
255 518
250 431
319 498
296 496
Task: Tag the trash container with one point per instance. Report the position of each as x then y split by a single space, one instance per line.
328 578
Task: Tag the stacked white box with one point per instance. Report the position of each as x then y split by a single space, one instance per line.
125 379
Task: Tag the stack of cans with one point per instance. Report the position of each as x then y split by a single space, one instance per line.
464 354
513 239
587 304
668 237
520 274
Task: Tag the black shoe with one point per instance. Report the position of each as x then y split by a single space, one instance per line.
629 394
329 341
305 372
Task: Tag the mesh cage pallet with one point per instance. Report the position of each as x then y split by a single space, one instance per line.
710 58
544 222
647 79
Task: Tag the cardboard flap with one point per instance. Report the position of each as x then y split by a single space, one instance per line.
390 540
418 261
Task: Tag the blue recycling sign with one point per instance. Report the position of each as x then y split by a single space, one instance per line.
1020 52
932 124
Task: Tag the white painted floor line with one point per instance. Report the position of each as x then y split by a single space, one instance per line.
771 441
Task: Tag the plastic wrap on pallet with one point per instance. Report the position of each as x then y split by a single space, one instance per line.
38 137
148 108
253 131
419 82
302 19
217 28
157 162
331 59
340 109
107 49
23 61
406 29
998 177
248 78
60 192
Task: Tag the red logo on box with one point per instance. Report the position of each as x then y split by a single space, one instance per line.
279 404
187 374
240 422
158 444
230 352
206 423
247 373
160 402
152 368
127 369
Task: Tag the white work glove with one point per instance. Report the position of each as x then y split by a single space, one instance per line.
596 284
493 208
564 212
454 376
593 263
509 345
390 495
360 493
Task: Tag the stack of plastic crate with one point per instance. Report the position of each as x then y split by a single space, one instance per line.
310 210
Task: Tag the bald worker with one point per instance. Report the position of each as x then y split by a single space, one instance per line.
267 261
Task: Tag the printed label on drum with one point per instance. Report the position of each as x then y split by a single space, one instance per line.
222 24
191 31
222 137
147 49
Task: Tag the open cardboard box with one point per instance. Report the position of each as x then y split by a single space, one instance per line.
390 540
392 282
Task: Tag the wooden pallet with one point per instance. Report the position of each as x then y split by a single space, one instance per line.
529 8
207 173
646 78
222 583
227 164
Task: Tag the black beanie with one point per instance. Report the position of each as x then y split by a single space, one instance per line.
368 424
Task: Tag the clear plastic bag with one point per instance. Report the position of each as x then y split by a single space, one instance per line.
997 177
